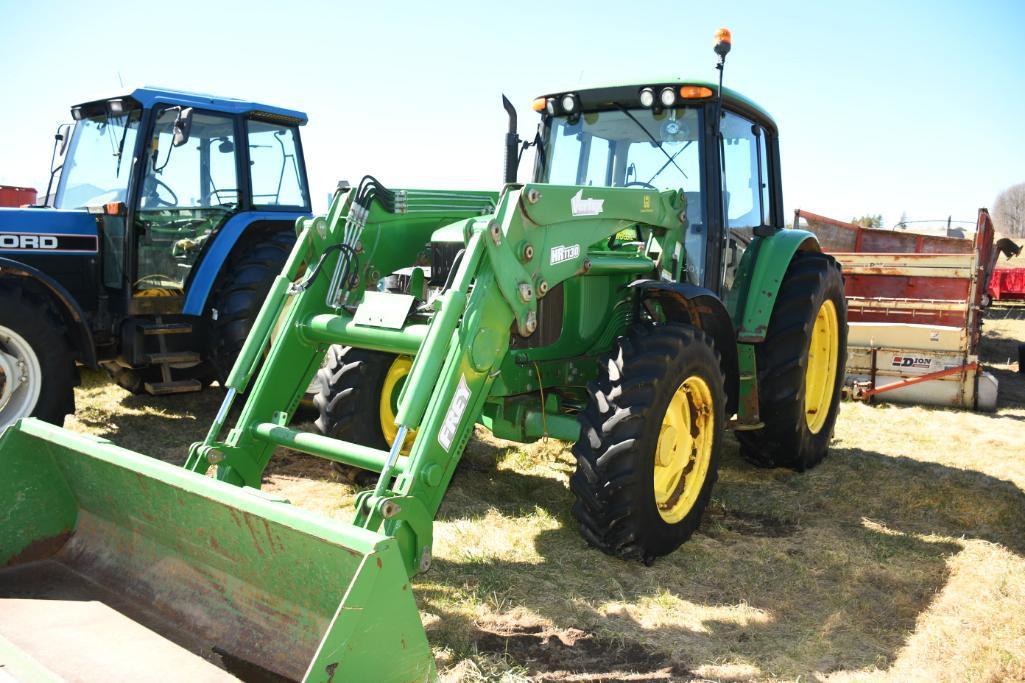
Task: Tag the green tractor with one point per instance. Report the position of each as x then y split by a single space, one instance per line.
639 298
643 363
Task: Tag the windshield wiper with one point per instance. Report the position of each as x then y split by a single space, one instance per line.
651 137
121 148
666 164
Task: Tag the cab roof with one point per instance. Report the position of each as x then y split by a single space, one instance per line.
607 96
150 96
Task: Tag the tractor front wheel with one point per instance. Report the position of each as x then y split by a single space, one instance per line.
650 439
801 366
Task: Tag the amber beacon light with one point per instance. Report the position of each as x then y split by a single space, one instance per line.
723 42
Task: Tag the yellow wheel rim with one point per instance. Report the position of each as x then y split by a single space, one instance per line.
820 377
684 449
390 390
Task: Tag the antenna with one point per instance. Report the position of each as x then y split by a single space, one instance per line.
122 83
723 42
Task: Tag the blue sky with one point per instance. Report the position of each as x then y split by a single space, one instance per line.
883 107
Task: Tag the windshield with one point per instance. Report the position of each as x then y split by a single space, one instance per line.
99 161
633 148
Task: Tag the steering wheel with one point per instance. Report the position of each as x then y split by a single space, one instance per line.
160 201
641 183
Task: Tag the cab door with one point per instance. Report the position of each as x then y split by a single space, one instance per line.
186 193
746 187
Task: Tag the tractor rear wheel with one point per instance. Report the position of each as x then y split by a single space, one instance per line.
801 366
37 367
357 396
239 293
650 440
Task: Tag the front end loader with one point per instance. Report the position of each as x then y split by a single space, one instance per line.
639 299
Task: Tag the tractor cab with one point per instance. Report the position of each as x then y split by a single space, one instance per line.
166 171
658 136
171 214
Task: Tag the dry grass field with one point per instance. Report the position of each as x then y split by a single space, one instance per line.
901 557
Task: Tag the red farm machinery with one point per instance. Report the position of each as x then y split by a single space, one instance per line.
914 304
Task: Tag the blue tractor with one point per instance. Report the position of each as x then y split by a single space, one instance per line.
171 215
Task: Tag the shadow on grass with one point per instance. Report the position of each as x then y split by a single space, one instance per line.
1011 392
160 427
998 350
835 565
793 573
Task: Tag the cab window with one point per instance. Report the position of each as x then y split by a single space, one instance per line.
274 166
745 173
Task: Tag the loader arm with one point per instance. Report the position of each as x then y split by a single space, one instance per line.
537 237
151 546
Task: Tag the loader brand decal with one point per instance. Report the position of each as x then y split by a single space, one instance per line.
646 204
562 253
455 413
585 207
54 243
911 362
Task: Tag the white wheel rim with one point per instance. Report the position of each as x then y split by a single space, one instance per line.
21 377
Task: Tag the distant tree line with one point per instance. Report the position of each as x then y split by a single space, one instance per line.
1009 211
869 221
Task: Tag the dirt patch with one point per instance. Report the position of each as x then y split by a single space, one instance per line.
719 520
554 654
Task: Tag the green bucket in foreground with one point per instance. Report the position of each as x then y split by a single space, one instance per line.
115 566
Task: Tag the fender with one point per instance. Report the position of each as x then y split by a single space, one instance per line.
684 302
753 296
68 308
219 249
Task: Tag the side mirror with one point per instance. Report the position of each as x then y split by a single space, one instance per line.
182 126
64 136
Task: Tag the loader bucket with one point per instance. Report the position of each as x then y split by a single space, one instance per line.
118 567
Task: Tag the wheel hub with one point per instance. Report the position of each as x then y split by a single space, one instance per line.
820 375
394 380
8 378
684 449
20 377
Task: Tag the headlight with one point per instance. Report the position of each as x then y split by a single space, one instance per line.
569 103
647 97
667 97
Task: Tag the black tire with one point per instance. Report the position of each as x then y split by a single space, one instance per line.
787 440
32 317
349 395
619 435
239 293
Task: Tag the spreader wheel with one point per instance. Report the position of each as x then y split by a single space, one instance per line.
801 366
650 439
